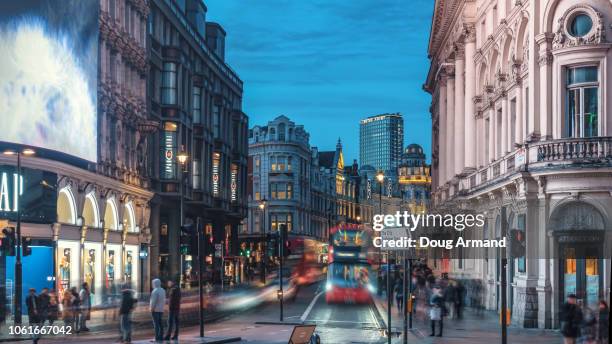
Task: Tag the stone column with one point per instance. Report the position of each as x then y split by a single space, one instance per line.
491 142
450 122
459 144
518 129
470 91
545 60
504 127
442 130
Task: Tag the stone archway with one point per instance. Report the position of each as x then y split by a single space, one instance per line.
578 230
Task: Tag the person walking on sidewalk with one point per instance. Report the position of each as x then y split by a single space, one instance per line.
436 311
604 322
125 313
53 310
571 319
85 297
33 305
174 307
75 308
399 295
450 294
156 306
44 300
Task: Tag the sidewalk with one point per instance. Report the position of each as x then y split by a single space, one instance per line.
473 328
108 318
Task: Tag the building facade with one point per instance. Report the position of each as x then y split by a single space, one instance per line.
414 180
381 140
196 100
89 220
519 121
279 156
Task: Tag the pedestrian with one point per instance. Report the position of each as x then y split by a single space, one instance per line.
460 296
604 322
67 308
571 319
174 307
76 309
436 311
33 305
156 306
43 300
53 310
85 297
450 294
125 313
399 295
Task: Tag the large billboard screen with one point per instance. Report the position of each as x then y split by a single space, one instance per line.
48 75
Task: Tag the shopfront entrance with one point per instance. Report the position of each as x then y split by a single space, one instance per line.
581 268
579 232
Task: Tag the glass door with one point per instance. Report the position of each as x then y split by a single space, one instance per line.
581 274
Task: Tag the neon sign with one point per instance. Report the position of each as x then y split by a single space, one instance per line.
8 191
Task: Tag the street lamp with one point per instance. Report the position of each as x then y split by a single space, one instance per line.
262 207
18 267
380 177
182 158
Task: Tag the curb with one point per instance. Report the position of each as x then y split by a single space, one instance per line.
278 323
220 340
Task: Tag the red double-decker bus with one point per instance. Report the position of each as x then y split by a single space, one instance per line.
348 273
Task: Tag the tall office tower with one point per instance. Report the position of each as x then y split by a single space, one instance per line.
381 138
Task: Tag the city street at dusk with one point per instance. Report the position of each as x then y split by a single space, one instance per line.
306 171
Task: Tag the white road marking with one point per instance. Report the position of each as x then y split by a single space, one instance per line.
374 316
310 306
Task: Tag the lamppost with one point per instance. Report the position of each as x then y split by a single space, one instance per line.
182 157
380 177
262 207
18 267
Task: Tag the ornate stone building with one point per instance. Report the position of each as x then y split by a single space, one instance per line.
196 100
101 207
519 119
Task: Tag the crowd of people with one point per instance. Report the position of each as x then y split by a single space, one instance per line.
584 325
437 298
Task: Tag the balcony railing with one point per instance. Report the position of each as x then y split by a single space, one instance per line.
558 152
574 149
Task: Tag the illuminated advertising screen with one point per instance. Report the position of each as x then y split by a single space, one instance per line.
48 75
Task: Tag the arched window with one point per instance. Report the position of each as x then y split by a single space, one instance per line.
66 206
111 219
91 217
129 218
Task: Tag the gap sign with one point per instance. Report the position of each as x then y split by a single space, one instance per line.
38 192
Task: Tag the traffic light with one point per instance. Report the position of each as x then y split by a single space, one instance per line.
272 242
285 240
187 241
517 243
27 249
9 241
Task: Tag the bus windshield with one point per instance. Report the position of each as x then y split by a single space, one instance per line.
348 275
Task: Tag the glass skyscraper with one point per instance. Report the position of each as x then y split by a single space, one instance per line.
381 139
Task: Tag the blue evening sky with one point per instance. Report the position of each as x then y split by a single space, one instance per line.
327 64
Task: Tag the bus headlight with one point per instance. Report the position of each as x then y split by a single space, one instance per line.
328 286
371 288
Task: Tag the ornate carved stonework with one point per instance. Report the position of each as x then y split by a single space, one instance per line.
545 58
597 35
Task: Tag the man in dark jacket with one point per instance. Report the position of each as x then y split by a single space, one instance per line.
33 305
571 319
604 321
125 312
43 302
174 307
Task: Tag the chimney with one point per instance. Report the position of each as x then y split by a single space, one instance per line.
215 39
195 11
